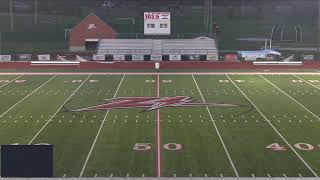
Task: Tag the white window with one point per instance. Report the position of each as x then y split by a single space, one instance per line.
150 25
163 25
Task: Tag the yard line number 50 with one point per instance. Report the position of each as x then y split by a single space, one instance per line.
148 146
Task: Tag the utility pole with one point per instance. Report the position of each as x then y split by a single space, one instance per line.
205 14
318 33
0 43
11 15
211 13
36 12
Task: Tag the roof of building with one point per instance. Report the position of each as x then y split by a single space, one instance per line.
94 16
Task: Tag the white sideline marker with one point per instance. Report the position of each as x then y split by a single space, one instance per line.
297 154
290 97
98 133
307 82
217 130
10 81
57 112
27 96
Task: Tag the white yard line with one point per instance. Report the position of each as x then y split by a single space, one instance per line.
306 82
10 81
217 130
98 133
158 132
274 128
161 73
31 141
27 96
291 97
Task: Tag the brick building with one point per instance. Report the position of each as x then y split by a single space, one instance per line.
86 34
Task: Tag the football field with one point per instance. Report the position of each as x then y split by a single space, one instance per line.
225 125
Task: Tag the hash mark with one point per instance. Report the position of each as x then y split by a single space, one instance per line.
300 175
252 175
284 175
268 175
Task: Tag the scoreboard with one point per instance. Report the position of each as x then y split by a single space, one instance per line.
157 23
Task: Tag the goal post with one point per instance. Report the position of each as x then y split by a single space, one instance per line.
120 20
66 33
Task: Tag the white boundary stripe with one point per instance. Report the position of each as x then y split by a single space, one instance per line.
158 132
306 82
27 96
98 133
10 81
31 141
217 130
161 73
291 97
268 121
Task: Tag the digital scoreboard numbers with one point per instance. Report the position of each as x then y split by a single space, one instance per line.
157 23
26 160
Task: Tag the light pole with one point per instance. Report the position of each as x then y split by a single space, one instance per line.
11 15
36 12
318 33
0 42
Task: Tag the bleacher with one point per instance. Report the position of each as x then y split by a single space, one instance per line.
197 46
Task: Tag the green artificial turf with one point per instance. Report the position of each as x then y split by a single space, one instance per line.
278 110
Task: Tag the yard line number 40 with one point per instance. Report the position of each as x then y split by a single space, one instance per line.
300 146
148 146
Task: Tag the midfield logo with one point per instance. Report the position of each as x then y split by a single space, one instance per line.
150 103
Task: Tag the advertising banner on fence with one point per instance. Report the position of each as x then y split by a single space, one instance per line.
24 57
137 57
99 57
5 58
306 57
212 57
44 57
119 57
194 57
230 57
156 57
175 57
